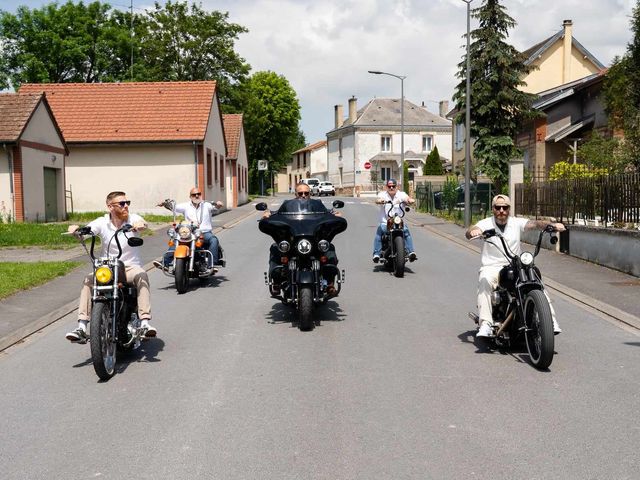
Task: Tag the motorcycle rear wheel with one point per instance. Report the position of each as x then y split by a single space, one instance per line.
305 308
103 345
398 261
539 329
180 275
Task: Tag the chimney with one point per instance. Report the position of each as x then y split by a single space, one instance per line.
353 109
567 25
443 108
339 115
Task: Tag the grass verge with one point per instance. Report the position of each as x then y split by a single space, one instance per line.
16 276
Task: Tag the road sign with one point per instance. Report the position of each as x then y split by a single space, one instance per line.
262 164
367 165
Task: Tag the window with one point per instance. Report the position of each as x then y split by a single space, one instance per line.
215 166
385 143
209 181
385 173
460 130
427 143
221 172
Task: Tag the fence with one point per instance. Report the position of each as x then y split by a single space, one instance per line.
611 200
430 198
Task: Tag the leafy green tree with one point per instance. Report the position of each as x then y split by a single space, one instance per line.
603 153
433 164
272 115
498 106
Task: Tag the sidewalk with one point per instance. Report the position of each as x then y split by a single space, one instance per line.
31 310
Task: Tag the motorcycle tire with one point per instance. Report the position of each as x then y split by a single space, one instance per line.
398 260
103 346
539 329
180 275
305 308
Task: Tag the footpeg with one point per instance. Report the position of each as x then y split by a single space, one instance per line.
474 317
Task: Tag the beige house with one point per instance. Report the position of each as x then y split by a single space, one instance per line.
238 178
153 140
32 160
558 60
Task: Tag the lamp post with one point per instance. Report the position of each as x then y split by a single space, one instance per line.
467 139
401 77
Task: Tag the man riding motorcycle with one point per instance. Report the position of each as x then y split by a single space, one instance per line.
393 195
105 227
199 213
493 259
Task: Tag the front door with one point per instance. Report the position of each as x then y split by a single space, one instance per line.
50 194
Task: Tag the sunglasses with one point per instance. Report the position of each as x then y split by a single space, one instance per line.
122 203
501 207
303 194
391 185
196 194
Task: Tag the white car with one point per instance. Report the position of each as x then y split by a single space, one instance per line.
326 188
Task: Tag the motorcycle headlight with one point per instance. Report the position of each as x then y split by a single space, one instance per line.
526 258
323 246
304 246
104 275
184 232
397 220
284 246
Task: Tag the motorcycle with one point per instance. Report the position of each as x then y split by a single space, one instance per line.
521 309
190 258
394 255
302 231
114 324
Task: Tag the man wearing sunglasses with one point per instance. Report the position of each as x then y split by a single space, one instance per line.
105 227
396 196
493 258
198 212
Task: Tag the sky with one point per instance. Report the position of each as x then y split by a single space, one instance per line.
325 47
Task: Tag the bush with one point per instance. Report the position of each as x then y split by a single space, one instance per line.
450 193
569 171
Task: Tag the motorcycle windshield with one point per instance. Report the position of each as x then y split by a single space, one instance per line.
308 218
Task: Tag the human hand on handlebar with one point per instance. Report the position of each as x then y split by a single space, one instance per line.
138 226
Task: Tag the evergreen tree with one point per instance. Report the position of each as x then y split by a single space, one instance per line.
498 107
433 163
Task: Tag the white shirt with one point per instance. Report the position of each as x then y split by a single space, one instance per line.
199 215
492 249
397 198
105 229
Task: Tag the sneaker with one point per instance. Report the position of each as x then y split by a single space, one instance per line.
485 331
274 290
413 257
376 258
556 328
158 264
79 335
149 330
331 290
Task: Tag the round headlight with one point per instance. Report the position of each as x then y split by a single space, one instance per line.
284 246
397 220
304 246
323 246
526 258
184 232
104 275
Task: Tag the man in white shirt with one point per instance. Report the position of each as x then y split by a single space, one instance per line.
105 227
199 213
493 259
391 194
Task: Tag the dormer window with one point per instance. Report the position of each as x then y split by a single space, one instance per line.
385 143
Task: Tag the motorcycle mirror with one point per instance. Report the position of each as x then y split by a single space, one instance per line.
407 209
553 239
135 241
262 206
338 204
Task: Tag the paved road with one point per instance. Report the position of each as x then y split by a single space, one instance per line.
391 385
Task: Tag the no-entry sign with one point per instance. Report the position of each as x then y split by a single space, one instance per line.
367 165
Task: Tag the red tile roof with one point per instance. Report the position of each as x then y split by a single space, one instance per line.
129 112
232 123
312 147
15 111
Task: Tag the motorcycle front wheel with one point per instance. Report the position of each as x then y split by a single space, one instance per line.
103 345
539 329
398 261
180 276
305 308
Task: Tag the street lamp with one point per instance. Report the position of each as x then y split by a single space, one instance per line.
467 140
401 77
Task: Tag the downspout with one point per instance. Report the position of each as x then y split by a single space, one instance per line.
11 191
195 159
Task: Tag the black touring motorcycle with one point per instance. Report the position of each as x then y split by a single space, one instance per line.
304 272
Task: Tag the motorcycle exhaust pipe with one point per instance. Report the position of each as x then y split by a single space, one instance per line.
506 322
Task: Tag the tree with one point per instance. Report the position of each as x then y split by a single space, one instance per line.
498 107
600 152
622 93
433 164
272 114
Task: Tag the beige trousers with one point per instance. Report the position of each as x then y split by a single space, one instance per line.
136 276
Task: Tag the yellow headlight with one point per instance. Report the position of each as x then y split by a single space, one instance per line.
104 275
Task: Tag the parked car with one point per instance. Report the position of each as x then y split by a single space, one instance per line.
313 183
326 188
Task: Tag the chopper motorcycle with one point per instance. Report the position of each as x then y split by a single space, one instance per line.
521 309
304 273
394 255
